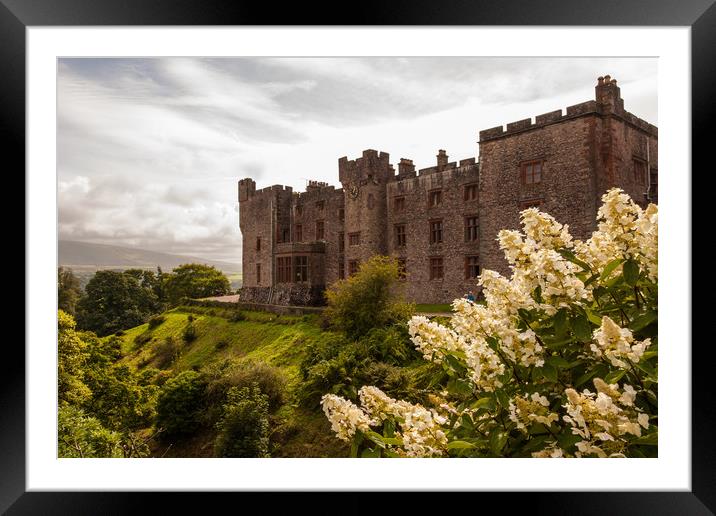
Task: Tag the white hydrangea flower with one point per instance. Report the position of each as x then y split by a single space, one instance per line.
617 343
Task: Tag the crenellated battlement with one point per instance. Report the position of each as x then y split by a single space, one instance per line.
316 190
608 101
247 190
371 164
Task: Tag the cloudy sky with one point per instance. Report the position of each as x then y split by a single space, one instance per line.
150 150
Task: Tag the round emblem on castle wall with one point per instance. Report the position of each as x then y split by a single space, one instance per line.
353 190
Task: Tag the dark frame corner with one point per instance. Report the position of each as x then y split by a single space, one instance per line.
700 15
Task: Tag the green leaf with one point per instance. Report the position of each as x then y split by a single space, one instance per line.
556 343
614 376
459 445
594 318
498 438
569 255
537 294
643 320
370 453
631 272
459 387
567 440
549 372
649 440
610 267
483 403
455 364
466 422
585 378
357 440
557 362
581 327
561 325
502 397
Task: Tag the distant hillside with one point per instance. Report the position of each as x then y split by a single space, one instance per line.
85 257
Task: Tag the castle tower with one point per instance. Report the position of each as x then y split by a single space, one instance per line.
364 185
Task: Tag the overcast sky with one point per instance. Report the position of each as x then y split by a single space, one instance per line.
150 150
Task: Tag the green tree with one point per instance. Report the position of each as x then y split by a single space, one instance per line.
71 356
114 301
180 404
244 427
195 280
80 435
369 299
68 290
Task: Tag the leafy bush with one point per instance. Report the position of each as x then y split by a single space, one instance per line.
80 435
180 404
222 344
369 299
225 375
166 352
155 321
237 316
189 334
244 427
142 339
516 372
195 280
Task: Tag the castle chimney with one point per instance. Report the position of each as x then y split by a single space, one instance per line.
405 167
608 95
442 159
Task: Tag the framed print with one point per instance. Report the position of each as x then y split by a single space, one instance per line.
185 131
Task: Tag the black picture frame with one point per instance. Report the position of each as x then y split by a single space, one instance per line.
17 15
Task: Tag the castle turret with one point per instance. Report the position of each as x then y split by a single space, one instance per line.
608 95
364 184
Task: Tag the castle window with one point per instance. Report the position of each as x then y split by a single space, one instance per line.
354 238
298 233
341 268
283 269
320 205
532 203
402 268
299 210
285 235
531 172
352 267
470 192
258 274
435 197
436 231
371 201
341 242
399 204
320 230
436 267
472 267
341 214
300 268
258 243
639 171
400 235
472 228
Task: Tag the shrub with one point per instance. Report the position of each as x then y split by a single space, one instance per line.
142 339
244 427
237 316
189 334
180 404
119 333
166 352
222 344
223 376
155 321
518 369
80 435
190 318
369 299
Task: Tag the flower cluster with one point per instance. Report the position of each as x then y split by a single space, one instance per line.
345 417
543 312
526 410
602 419
625 231
617 343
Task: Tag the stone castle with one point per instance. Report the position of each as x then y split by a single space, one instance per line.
441 222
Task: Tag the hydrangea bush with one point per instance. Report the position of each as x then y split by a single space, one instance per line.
560 360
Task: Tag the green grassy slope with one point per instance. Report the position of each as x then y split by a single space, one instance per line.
277 340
